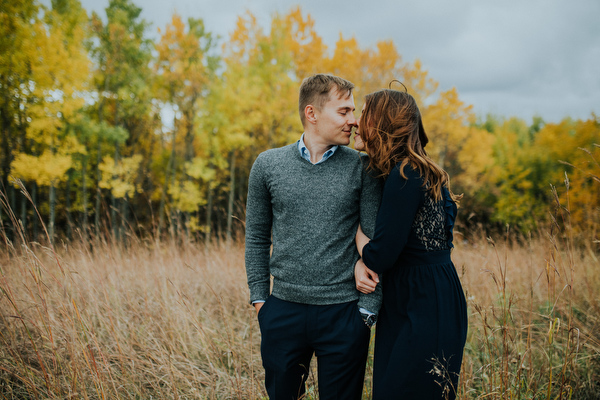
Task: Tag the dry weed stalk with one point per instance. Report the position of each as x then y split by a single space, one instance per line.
170 319
525 340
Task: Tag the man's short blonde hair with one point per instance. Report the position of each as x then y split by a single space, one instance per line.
315 89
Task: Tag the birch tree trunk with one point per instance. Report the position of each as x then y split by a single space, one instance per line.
163 195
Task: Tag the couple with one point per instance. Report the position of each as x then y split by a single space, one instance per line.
311 201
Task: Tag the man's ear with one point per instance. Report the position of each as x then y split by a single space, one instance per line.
310 114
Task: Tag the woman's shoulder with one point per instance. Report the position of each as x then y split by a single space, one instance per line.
411 180
406 173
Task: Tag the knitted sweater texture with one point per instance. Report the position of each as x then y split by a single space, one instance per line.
301 220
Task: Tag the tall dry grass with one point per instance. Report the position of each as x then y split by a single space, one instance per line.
170 320
148 320
534 321
534 329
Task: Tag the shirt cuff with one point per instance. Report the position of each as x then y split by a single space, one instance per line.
365 311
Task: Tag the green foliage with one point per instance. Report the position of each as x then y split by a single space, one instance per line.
526 161
109 123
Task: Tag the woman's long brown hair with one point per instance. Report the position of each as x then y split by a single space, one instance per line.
392 130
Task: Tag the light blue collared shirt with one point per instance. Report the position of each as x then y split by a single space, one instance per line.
304 153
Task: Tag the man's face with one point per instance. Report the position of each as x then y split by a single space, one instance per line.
336 119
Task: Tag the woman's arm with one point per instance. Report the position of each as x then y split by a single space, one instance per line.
366 280
361 240
399 205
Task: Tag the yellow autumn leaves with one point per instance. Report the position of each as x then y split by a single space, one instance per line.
98 113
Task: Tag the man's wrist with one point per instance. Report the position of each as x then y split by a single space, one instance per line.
368 317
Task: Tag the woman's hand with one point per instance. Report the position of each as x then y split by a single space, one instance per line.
366 280
361 240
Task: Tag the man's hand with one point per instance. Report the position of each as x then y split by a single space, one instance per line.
258 306
366 280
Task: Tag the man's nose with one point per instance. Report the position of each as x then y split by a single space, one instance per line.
352 120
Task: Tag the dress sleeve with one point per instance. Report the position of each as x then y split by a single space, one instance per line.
259 217
399 205
451 211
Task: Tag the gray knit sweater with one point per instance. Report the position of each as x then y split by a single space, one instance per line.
311 212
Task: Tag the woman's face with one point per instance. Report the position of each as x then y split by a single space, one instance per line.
358 141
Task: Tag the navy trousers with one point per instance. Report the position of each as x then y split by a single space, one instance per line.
292 332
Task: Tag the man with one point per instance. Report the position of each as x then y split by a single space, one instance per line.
307 199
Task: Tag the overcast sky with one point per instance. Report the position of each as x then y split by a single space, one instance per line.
507 57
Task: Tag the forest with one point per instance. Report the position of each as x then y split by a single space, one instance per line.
125 151
105 131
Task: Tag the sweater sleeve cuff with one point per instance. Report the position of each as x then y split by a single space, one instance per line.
259 294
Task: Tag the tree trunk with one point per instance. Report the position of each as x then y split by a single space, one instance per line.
6 147
24 213
84 194
68 206
35 207
163 195
98 190
13 200
115 203
52 212
1 216
174 212
209 201
240 186
113 216
7 107
23 148
189 156
219 227
98 161
231 194
161 207
124 216
9 229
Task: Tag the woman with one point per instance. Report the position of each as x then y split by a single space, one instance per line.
422 326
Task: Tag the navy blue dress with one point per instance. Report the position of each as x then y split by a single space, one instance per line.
422 326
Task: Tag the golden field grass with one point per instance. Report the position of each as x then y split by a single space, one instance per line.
171 320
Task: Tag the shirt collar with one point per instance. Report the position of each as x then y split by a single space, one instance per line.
304 153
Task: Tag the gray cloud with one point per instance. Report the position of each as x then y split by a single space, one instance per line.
508 57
